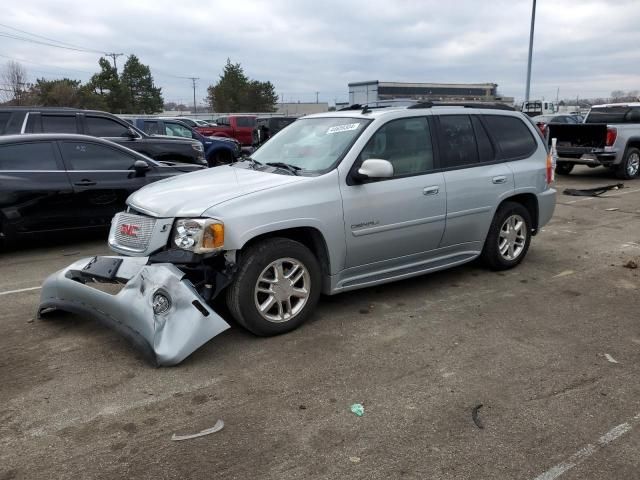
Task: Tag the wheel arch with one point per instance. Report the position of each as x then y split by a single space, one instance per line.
310 237
530 202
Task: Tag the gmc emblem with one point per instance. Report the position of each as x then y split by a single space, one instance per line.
129 230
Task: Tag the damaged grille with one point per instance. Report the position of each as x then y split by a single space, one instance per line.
133 232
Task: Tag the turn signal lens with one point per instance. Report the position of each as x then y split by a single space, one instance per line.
213 236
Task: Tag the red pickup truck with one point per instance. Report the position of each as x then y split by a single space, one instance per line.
239 127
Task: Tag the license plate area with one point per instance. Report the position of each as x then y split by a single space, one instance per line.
104 268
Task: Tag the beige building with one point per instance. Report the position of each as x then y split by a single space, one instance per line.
299 109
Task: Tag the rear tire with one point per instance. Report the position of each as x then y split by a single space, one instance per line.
564 168
630 165
509 237
276 287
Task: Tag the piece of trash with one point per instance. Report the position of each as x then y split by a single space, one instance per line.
358 409
610 358
302 407
611 209
354 459
31 320
631 264
592 192
474 416
216 428
564 274
70 254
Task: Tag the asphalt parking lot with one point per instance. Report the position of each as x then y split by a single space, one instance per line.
535 346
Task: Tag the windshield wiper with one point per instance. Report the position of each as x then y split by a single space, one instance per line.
254 163
294 169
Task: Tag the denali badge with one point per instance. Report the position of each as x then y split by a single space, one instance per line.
129 230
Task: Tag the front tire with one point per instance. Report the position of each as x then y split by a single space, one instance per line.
630 165
276 288
509 237
564 168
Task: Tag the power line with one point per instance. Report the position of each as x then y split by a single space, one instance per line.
45 65
39 42
41 36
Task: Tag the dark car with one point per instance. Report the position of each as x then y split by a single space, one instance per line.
51 182
543 120
99 124
217 150
266 127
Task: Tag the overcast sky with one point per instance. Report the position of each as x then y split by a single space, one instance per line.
585 48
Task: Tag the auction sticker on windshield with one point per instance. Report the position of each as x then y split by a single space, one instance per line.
343 128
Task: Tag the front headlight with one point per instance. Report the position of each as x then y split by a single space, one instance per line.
199 235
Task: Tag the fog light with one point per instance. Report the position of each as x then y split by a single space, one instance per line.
161 303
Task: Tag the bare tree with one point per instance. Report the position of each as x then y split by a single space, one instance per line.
13 82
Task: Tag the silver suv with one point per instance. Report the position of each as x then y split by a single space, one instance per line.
334 202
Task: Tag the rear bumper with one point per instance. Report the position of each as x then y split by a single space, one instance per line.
546 206
165 338
590 159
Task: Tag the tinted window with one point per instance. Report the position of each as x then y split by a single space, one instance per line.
59 124
245 122
513 136
406 143
4 120
105 127
457 141
91 156
152 127
617 114
485 148
28 156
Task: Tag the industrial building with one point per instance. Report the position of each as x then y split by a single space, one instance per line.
375 91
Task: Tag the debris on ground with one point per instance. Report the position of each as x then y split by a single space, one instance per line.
216 428
614 209
631 264
592 192
70 254
474 416
354 459
358 409
610 358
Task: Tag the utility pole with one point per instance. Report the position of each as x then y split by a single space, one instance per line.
114 56
557 97
533 21
193 81
317 96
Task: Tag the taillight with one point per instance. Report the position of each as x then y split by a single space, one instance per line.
543 127
612 134
551 163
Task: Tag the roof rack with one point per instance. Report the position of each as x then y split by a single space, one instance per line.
488 106
365 108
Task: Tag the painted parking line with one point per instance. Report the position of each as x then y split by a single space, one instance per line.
585 452
9 292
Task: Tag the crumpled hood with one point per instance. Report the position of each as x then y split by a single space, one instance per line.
191 194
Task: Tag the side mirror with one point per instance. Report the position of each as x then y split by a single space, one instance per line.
141 167
131 133
376 168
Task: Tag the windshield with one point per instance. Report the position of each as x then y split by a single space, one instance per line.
313 144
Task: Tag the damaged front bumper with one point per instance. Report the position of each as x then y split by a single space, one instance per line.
157 308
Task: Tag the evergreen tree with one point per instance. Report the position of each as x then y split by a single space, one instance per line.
235 92
139 92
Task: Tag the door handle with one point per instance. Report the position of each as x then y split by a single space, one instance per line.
499 179
85 183
431 190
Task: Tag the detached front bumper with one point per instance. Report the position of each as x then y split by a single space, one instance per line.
166 338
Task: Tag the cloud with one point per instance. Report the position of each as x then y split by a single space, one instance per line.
586 48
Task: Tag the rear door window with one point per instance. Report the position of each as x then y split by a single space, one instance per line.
152 127
105 127
59 124
457 141
28 156
93 156
513 137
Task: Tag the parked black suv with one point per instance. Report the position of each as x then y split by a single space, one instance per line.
14 120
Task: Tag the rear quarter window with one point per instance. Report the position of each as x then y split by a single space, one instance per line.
512 136
59 124
245 122
28 156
